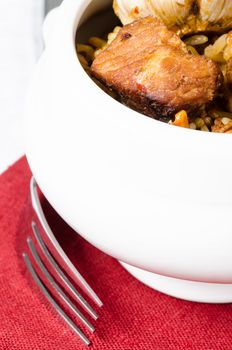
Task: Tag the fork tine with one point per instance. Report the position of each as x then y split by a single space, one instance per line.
71 324
56 249
60 273
56 286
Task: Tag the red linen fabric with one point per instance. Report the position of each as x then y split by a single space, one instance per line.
134 317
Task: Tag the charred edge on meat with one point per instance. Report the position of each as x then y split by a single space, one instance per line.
126 36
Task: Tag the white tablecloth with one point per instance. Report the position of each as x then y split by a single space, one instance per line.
20 47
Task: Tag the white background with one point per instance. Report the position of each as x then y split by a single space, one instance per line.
20 47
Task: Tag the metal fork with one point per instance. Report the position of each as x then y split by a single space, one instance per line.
51 254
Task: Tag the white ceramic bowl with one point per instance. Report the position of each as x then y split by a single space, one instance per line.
156 197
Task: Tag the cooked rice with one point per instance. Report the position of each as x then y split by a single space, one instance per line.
195 40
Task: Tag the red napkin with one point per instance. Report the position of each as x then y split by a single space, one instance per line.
133 317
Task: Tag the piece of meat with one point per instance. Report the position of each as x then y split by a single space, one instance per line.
153 72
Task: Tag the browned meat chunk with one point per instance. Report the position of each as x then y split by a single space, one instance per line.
153 72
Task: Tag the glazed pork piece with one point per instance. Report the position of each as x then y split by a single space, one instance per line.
153 72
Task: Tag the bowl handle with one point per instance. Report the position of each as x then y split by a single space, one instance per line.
49 24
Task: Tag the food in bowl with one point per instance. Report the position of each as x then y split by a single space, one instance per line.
183 16
154 67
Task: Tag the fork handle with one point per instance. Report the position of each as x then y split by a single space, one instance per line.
55 247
